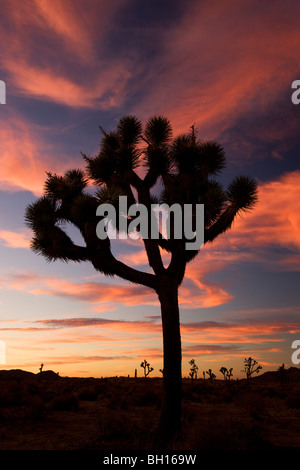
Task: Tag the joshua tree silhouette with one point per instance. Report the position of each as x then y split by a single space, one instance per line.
210 374
250 367
147 368
185 167
194 369
223 371
227 373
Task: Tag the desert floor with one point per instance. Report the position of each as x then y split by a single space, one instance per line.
47 412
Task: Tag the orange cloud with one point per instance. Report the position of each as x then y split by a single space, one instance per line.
44 60
193 293
25 157
216 350
256 333
276 218
15 239
221 61
97 294
43 83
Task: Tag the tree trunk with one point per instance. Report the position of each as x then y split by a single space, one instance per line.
170 419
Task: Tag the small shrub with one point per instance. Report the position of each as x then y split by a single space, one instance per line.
148 398
293 401
65 402
115 425
5 398
88 394
37 409
256 405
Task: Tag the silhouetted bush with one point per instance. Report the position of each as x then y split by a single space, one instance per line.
88 394
115 426
36 409
148 398
293 401
255 404
65 402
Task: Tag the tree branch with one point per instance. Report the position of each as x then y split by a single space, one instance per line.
117 268
221 225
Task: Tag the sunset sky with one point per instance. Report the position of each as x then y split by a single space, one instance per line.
225 66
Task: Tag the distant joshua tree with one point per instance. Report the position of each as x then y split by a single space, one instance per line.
227 373
162 371
186 169
250 367
194 369
210 374
282 373
223 371
41 368
147 368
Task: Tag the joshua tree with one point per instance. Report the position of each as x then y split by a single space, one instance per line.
229 373
282 372
147 368
41 368
162 371
194 369
210 374
185 168
251 366
224 371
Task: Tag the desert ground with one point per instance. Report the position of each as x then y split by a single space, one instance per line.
47 412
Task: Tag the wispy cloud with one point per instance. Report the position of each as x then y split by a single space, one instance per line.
276 219
15 239
222 61
194 293
120 325
45 60
25 156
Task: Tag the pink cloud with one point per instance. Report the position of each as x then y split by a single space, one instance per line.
220 61
45 83
25 157
15 239
275 221
40 58
193 293
97 294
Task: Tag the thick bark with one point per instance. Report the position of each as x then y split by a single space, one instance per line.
170 420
